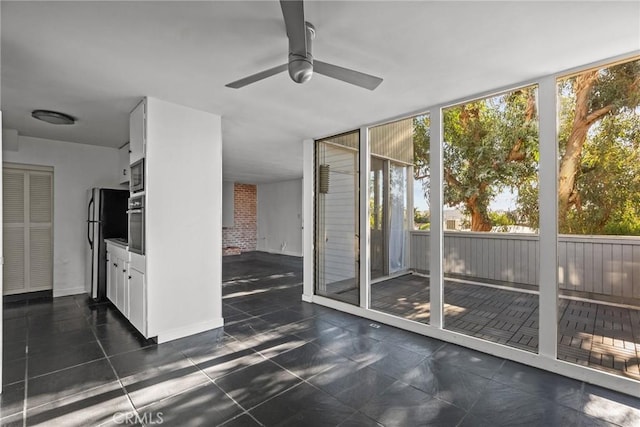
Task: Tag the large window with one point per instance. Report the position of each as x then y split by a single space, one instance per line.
490 218
500 257
599 219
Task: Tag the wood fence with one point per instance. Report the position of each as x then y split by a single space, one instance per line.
607 265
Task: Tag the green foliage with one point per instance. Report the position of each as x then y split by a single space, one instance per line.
609 184
421 217
492 145
617 86
501 219
421 141
608 180
425 227
527 206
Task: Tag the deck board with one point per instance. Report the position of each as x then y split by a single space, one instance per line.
590 334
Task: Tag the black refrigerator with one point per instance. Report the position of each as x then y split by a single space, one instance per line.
106 219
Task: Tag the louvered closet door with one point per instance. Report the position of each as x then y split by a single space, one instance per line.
28 231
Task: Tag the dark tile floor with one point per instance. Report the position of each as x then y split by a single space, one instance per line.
278 361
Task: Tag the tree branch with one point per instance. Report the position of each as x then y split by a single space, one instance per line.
598 114
451 180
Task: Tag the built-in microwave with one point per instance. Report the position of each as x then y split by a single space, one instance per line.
136 224
136 178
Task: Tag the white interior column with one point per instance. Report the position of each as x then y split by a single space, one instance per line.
547 199
365 231
1 260
308 260
435 201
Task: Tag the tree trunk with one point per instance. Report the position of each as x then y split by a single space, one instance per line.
517 153
479 218
570 161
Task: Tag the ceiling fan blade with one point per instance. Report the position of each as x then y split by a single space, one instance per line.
293 13
357 78
257 77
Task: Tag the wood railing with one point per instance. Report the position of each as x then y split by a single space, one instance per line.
606 265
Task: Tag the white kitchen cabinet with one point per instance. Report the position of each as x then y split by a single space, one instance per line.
118 277
126 285
137 133
122 297
137 298
111 276
123 162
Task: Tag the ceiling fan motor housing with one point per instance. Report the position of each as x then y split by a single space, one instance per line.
301 67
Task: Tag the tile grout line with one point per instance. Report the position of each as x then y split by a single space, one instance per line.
302 380
25 403
63 369
112 368
305 381
212 381
26 373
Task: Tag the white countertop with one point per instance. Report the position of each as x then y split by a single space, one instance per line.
122 243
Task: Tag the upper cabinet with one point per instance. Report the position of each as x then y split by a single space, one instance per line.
123 162
137 132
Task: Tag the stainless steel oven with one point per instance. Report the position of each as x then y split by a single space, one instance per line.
136 224
136 177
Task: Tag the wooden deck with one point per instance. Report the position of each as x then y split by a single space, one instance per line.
590 334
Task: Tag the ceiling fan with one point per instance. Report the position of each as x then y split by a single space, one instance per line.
301 63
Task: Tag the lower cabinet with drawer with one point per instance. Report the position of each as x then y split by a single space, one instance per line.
137 293
126 286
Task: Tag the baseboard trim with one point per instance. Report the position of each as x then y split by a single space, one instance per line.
276 252
185 331
68 291
28 296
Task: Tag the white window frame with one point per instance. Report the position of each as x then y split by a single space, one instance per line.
546 358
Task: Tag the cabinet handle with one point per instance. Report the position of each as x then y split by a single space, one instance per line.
115 265
129 277
124 172
124 271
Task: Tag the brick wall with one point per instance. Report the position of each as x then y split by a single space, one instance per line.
244 231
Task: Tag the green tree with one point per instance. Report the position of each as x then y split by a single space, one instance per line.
586 100
421 217
421 157
490 145
501 219
608 188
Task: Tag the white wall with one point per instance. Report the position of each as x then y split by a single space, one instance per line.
183 220
76 168
280 217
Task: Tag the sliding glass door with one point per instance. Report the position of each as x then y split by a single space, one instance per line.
337 218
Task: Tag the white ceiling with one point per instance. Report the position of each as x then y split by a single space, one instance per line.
96 60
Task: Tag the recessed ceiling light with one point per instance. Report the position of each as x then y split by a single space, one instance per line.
53 117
